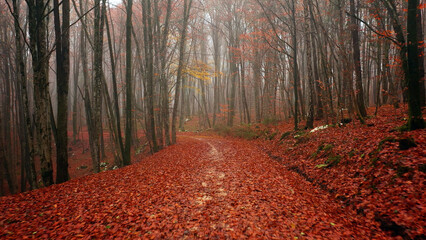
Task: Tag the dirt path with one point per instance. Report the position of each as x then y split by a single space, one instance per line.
202 187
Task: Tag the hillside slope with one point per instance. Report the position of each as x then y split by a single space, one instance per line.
373 168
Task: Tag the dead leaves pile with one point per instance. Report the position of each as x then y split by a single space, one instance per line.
202 187
373 176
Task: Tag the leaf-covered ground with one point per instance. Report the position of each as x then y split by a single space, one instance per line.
364 167
350 182
202 187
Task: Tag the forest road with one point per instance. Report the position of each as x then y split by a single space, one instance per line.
204 187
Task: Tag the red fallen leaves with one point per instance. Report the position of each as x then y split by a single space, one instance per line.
384 185
203 187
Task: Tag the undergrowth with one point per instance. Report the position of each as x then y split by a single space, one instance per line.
242 131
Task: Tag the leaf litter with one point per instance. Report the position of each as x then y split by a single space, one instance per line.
210 187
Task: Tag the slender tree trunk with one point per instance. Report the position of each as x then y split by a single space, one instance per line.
243 91
184 110
128 137
421 43
310 79
22 78
233 71
38 46
96 121
75 97
187 9
295 67
202 85
359 94
62 82
149 61
217 73
7 131
164 80
257 79
119 160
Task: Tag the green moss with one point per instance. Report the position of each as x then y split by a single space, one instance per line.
271 136
323 147
324 165
333 160
301 137
403 128
327 147
284 135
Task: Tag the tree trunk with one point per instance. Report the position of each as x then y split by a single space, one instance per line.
310 79
116 115
96 117
408 53
62 82
233 71
415 118
164 80
421 42
295 67
22 78
359 94
257 79
128 137
187 9
38 46
149 61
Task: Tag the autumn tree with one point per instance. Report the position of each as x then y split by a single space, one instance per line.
408 52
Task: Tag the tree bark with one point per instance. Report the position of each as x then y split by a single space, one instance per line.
22 79
310 79
62 82
415 118
186 11
116 115
38 46
96 122
359 94
128 137
295 66
164 80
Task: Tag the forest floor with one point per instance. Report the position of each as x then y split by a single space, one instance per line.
351 182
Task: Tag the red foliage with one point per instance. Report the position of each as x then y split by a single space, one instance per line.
211 187
383 183
203 187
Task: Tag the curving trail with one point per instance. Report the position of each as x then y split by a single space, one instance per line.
202 187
